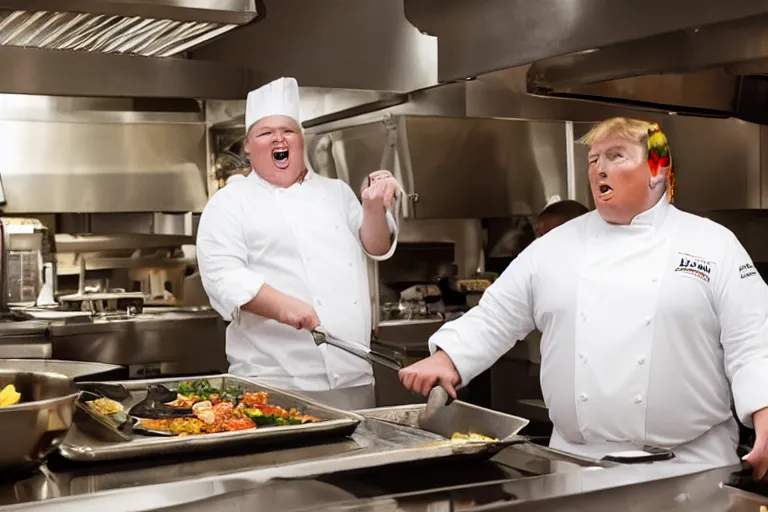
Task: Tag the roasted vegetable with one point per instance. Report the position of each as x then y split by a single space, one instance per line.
253 399
9 396
259 418
197 407
272 415
203 390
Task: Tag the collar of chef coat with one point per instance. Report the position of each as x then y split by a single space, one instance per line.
653 217
262 181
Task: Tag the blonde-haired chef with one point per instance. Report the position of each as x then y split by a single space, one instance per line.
650 318
284 250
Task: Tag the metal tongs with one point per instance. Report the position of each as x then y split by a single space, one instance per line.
356 349
438 397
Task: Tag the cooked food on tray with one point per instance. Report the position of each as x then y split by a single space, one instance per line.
472 438
109 409
197 407
9 396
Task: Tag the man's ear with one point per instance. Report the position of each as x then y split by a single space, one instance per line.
660 179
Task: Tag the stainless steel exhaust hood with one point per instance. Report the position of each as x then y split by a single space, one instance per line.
697 57
719 70
121 48
149 28
450 168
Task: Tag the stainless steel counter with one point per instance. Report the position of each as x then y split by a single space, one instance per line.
372 470
374 445
325 485
633 489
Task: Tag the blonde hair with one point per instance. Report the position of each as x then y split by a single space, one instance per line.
634 130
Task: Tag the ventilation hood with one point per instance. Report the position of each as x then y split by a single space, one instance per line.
719 70
149 28
121 48
449 167
689 56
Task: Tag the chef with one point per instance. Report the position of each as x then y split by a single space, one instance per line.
648 314
284 251
557 213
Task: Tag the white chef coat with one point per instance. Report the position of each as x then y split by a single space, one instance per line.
643 328
303 241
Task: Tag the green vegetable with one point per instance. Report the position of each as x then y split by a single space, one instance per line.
202 389
232 394
259 418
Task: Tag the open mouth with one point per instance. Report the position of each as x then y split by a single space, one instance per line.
280 157
605 191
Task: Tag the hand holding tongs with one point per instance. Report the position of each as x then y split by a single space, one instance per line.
438 397
355 349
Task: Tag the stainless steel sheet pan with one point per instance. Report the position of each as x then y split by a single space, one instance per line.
335 423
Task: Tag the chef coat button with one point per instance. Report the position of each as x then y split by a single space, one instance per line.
582 357
648 321
354 301
640 359
584 316
638 399
583 397
654 279
350 263
319 303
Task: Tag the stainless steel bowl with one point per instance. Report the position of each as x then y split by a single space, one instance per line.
32 429
73 369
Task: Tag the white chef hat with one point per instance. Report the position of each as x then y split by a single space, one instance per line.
552 200
277 98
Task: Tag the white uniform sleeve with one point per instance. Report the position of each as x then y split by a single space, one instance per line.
355 221
222 256
504 315
742 305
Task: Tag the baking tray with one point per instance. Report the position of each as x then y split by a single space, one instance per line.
335 423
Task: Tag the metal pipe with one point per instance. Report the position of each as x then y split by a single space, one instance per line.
4 258
570 161
81 277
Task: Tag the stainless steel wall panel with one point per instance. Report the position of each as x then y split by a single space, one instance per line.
88 168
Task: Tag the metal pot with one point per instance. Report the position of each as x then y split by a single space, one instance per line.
32 429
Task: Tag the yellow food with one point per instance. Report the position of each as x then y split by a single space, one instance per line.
186 426
472 438
9 396
105 406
